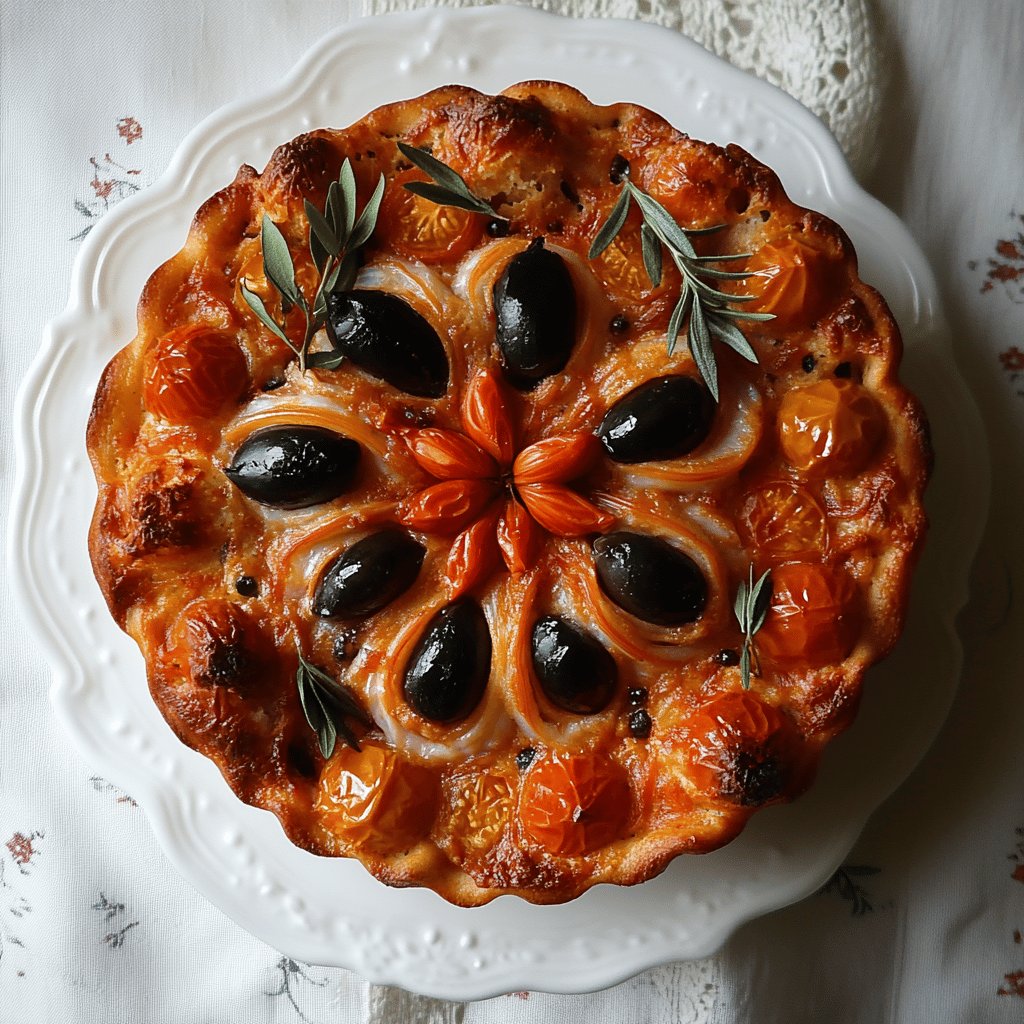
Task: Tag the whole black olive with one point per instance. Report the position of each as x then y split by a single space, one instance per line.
369 575
294 467
649 578
535 305
575 671
663 418
387 338
446 675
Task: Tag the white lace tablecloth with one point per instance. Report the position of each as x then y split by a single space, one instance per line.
924 923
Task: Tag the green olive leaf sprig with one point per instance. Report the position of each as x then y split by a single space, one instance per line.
706 311
751 608
335 236
327 704
448 187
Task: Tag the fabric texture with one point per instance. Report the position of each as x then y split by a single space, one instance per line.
923 923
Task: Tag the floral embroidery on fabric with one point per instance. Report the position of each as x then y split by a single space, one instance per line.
1005 269
292 975
129 129
843 883
21 849
13 905
114 915
111 180
1013 982
101 785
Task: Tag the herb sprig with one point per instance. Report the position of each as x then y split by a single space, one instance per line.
448 187
706 311
327 704
335 236
751 608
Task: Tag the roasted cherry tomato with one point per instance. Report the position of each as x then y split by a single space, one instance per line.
815 615
375 798
791 280
830 428
784 522
740 749
621 266
574 804
422 230
481 806
194 372
693 199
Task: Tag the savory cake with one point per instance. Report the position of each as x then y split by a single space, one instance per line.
509 492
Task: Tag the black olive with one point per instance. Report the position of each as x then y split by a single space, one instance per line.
808 363
446 675
575 672
727 656
369 575
535 304
663 418
649 578
388 339
294 467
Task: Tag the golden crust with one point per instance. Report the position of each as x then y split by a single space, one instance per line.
171 536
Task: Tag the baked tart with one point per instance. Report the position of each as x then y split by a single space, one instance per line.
509 492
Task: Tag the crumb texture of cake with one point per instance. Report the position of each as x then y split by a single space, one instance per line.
509 492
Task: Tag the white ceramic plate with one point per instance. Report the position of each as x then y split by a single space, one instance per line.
332 911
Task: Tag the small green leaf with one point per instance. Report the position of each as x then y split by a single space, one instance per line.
255 303
662 221
325 360
450 188
326 704
742 314
651 248
697 232
739 606
699 339
367 219
323 231
439 171
334 211
277 260
724 258
612 226
443 196
732 336
760 601
347 181
745 667
675 323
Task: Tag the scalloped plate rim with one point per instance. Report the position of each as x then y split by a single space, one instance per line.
70 674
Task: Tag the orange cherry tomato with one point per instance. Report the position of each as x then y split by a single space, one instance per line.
784 522
194 372
690 196
830 428
740 749
791 280
815 615
574 804
481 807
376 799
620 267
422 230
